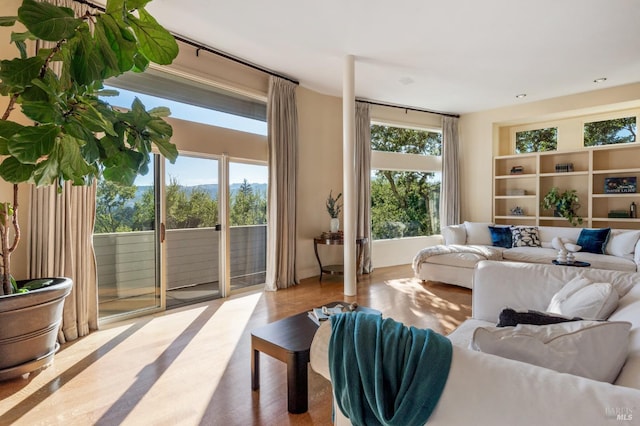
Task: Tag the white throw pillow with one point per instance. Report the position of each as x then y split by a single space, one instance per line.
622 243
583 298
454 234
592 349
478 233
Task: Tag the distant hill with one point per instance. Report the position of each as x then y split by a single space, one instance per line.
212 189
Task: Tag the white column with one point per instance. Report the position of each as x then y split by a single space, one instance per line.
348 174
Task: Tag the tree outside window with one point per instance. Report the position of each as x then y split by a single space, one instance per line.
609 132
539 140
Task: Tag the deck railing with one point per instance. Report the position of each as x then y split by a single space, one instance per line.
126 260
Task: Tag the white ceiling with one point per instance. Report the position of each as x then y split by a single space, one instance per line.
455 56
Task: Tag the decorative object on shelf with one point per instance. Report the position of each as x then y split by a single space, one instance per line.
619 214
516 192
334 208
633 212
564 167
517 211
516 170
620 185
564 204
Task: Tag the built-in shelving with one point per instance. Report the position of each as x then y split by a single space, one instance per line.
586 174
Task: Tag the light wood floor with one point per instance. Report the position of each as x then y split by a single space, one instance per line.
191 366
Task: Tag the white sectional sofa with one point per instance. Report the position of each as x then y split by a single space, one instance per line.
485 389
469 243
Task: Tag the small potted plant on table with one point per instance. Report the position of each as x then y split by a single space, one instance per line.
565 204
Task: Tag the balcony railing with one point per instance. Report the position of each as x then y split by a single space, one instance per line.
127 268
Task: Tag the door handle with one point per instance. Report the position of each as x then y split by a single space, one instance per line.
162 232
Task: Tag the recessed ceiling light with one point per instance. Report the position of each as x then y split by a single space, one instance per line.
521 95
600 80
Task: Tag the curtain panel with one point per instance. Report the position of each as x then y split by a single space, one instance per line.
363 181
282 120
450 189
60 240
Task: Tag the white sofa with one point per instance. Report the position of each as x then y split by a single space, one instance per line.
484 389
622 254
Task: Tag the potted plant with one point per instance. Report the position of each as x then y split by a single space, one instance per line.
76 136
565 204
334 208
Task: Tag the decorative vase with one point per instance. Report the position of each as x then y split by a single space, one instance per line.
334 224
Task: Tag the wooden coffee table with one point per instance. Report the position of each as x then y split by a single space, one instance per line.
289 340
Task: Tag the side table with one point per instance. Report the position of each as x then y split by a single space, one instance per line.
338 269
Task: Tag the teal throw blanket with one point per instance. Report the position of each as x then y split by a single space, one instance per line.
385 373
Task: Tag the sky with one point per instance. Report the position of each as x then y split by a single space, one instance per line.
199 171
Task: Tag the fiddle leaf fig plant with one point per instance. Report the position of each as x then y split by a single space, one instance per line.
564 204
76 135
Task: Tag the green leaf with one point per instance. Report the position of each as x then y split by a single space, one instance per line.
107 93
9 128
72 164
156 43
120 41
18 73
167 149
13 171
115 7
90 151
20 40
92 119
103 37
47 21
141 63
8 21
123 168
47 171
87 63
160 112
32 143
136 4
41 112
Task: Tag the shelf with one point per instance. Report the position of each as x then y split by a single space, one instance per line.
514 197
579 173
616 219
521 176
615 171
617 195
516 217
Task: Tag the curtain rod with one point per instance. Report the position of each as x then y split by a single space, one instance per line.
200 46
446 114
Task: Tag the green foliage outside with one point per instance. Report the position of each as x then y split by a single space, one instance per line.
538 140
404 204
187 207
608 132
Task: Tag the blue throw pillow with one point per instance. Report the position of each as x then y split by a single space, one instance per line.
500 236
594 240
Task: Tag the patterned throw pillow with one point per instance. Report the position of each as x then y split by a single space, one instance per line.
525 236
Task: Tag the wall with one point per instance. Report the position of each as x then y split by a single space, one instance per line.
482 130
7 51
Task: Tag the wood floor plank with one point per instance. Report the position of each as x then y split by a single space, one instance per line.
191 366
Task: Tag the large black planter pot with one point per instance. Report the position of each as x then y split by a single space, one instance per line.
29 325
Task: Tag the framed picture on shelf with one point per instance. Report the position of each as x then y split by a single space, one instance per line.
620 185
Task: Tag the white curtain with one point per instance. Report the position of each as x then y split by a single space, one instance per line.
282 120
450 189
363 182
61 244
60 240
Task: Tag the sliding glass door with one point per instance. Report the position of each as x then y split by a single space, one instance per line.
192 240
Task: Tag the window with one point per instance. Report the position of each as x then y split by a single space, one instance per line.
538 140
405 182
608 132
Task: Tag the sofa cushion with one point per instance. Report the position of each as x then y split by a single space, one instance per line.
594 240
530 254
622 243
629 310
501 236
592 349
461 260
478 233
547 233
454 234
583 298
525 236
547 255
